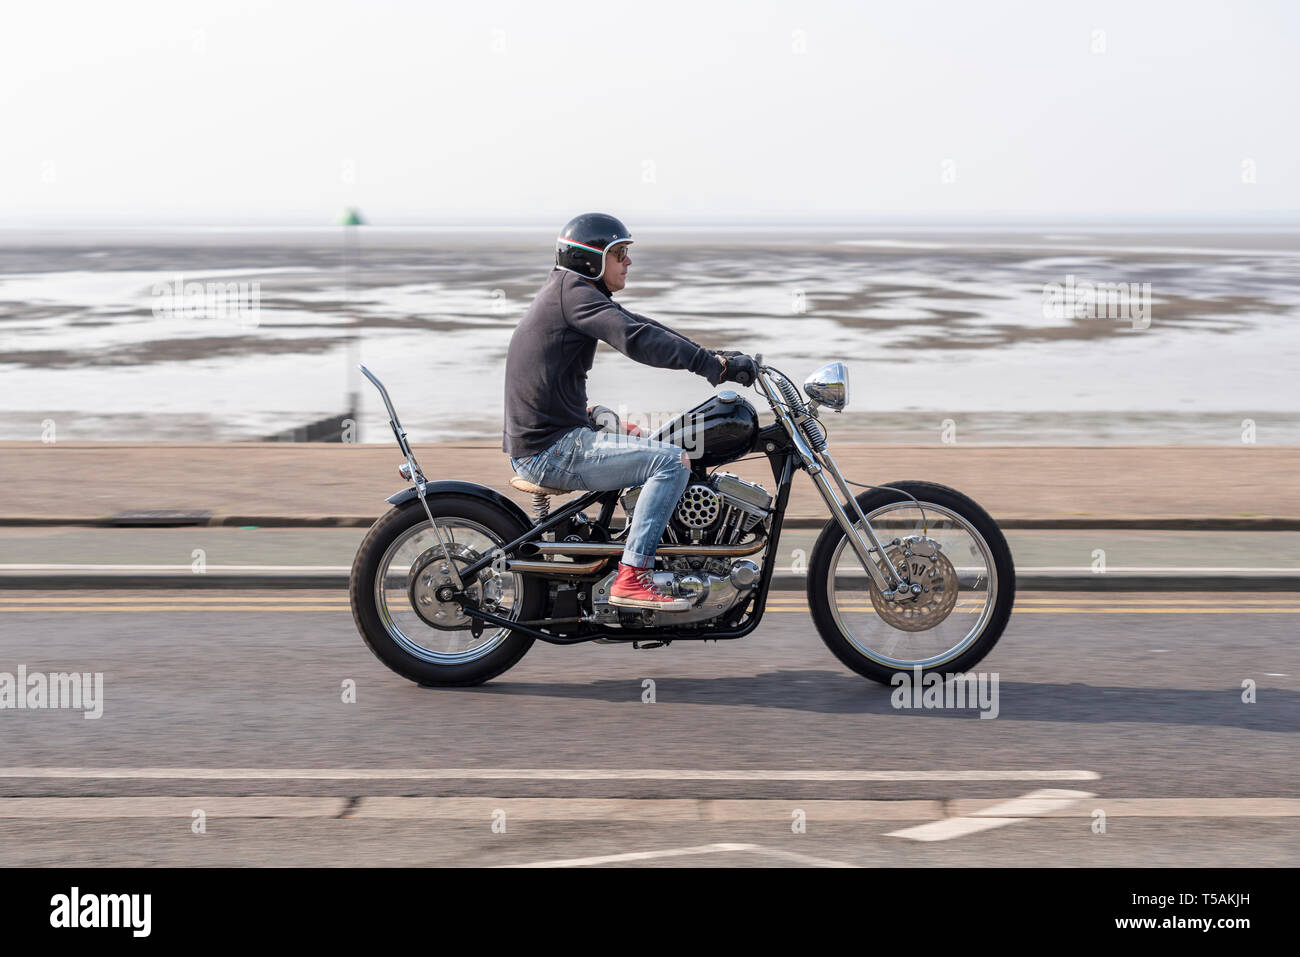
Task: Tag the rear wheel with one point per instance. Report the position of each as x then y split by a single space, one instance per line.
398 570
960 576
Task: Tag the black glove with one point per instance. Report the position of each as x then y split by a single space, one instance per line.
740 370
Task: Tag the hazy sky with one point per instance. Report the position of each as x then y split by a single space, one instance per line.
506 112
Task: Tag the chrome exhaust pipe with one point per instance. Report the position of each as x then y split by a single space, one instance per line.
585 549
556 568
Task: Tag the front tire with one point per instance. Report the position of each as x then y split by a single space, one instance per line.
964 609
433 645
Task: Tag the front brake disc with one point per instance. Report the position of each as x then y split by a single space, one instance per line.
938 581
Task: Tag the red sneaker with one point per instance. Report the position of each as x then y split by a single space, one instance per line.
636 588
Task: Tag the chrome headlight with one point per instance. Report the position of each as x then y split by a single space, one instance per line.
829 386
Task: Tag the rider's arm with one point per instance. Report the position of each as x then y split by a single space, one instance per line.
668 329
593 314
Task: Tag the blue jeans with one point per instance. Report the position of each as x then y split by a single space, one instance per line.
585 459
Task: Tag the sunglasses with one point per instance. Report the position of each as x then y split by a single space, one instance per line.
620 254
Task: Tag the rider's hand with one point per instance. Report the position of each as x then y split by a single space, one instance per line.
740 369
603 419
727 353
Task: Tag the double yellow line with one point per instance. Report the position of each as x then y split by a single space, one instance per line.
1094 603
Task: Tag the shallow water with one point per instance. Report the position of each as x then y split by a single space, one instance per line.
936 327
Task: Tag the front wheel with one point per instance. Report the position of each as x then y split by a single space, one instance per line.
401 565
949 547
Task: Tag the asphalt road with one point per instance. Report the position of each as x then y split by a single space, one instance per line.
1123 704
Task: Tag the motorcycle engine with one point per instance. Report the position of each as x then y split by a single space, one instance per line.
722 511
725 510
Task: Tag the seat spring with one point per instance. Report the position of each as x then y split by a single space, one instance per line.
541 507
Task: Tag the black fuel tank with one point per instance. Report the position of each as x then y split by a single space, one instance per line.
721 429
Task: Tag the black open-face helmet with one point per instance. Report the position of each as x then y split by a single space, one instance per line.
582 242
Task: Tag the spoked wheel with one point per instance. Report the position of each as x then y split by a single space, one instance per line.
960 585
395 579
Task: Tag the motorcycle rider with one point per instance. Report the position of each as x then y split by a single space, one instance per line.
548 424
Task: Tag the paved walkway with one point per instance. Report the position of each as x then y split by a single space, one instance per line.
78 482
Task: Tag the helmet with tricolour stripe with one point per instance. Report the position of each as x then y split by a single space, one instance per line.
581 245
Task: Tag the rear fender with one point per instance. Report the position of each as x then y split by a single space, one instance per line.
470 489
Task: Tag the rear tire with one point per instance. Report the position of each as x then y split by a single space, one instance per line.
404 657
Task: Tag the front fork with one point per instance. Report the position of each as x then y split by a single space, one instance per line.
887 581
818 465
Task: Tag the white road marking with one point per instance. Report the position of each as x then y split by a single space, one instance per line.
949 828
665 810
1034 804
1020 569
1158 807
1112 569
177 569
637 856
1128 599
533 774
96 808
182 597
801 858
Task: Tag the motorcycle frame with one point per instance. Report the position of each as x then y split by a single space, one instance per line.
783 462
787 450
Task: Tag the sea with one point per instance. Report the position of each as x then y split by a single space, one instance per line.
1043 335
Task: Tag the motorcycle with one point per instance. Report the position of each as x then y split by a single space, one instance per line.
455 582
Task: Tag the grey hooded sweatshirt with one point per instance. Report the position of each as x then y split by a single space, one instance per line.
554 346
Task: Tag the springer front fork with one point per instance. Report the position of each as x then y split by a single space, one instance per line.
819 464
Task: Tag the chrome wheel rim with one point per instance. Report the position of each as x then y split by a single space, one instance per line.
395 591
851 594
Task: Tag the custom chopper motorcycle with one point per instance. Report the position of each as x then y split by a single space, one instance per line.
455 582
